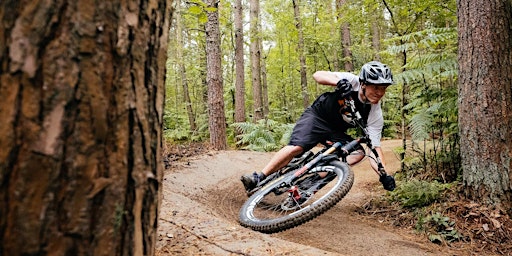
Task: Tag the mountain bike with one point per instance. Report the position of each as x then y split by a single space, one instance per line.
308 186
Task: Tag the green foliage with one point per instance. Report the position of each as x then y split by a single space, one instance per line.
265 135
425 29
430 78
417 193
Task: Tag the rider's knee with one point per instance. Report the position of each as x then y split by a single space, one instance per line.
294 150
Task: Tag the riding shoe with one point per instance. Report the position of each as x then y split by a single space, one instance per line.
251 180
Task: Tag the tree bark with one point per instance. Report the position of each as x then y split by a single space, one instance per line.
485 96
264 86
256 60
239 64
345 40
216 115
82 89
302 58
376 39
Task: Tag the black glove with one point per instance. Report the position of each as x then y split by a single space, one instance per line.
344 88
388 182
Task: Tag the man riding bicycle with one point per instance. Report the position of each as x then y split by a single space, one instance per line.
325 119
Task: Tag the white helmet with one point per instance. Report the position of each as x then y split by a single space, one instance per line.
377 73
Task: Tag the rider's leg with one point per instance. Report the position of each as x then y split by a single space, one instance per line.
355 157
281 159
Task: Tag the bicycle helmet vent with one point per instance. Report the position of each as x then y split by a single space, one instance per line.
377 73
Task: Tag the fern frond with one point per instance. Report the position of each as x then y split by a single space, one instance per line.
420 125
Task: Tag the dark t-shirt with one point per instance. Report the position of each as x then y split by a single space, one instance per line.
324 120
329 106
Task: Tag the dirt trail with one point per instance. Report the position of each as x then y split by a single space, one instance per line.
201 199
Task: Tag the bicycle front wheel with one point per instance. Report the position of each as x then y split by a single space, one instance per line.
282 205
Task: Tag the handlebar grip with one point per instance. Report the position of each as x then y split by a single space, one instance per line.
347 149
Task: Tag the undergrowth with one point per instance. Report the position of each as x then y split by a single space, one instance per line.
438 212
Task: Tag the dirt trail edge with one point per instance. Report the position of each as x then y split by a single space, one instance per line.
201 199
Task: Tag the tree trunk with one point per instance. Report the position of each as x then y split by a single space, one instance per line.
485 96
302 58
345 39
264 86
82 89
183 70
376 39
255 60
403 113
216 115
239 64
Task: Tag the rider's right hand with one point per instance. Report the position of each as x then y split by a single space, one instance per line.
388 182
344 88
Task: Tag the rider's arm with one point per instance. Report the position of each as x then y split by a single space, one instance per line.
381 156
332 78
374 127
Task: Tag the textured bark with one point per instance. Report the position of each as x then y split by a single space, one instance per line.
81 84
302 57
485 96
256 59
239 64
376 39
345 40
264 85
216 115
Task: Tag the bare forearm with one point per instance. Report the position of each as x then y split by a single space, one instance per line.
381 157
325 78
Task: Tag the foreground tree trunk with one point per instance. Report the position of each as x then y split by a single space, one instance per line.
82 89
485 96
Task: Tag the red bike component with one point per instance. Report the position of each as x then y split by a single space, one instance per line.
295 192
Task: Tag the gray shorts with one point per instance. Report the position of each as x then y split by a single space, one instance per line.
311 130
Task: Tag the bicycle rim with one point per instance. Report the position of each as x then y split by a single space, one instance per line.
275 207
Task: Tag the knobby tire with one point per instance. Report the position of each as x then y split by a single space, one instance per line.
290 219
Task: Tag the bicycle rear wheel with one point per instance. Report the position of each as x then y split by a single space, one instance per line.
282 205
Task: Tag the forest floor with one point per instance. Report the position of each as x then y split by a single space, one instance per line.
202 195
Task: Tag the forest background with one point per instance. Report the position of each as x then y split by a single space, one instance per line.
269 51
284 43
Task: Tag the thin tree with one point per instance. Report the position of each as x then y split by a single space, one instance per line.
216 115
485 99
256 59
345 39
183 70
302 57
376 38
239 64
82 89
264 84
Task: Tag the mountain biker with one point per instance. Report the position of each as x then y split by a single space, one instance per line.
324 119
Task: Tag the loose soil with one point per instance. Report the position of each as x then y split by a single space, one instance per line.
202 195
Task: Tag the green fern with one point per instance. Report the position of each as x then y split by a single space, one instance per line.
265 135
431 78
